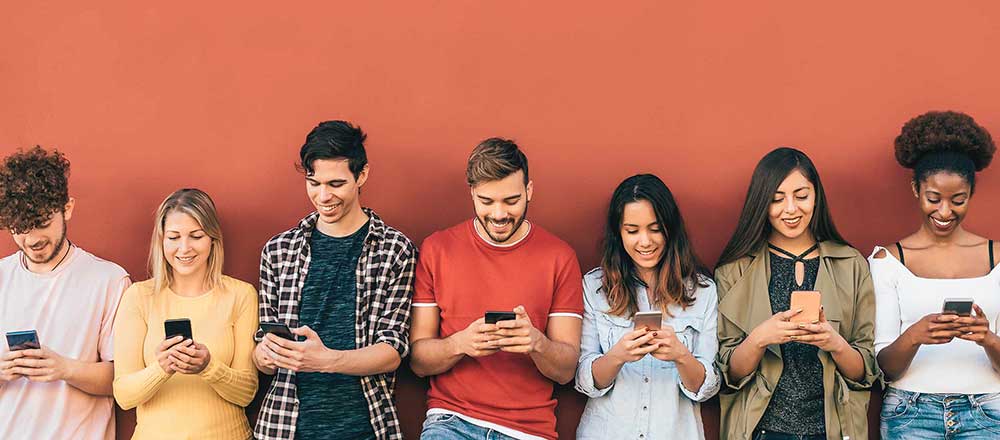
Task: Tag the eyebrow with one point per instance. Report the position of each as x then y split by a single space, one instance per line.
793 191
639 226
178 232
506 199
328 182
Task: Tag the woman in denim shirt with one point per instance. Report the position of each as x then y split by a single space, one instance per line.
648 265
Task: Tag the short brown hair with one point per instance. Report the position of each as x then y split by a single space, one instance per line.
495 159
33 186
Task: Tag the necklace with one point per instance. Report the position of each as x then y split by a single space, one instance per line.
24 259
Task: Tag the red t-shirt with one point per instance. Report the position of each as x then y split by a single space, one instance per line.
466 276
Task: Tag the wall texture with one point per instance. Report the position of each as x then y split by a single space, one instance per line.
148 97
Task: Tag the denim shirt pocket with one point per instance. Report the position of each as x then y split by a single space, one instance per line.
611 329
688 330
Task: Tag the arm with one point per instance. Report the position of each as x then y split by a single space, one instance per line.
558 349
595 373
433 355
699 379
45 365
267 310
135 382
237 383
857 363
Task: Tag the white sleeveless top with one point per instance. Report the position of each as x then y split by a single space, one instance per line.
902 299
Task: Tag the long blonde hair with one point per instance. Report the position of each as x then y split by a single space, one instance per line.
199 206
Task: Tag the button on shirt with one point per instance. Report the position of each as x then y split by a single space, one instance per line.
647 400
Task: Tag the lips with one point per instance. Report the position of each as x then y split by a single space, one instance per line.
185 260
942 224
648 253
792 222
328 209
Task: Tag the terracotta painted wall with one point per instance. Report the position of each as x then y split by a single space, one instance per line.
148 97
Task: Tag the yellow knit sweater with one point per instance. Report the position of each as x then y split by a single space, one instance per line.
208 405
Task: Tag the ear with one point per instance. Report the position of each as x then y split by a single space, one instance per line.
915 186
68 209
363 176
529 189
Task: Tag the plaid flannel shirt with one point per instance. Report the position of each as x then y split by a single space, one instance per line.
385 289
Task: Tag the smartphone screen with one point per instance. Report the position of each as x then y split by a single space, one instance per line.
810 302
22 340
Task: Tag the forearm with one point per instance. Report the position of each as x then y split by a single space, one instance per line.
237 386
433 356
556 360
132 389
895 358
605 369
366 361
992 348
849 362
745 359
692 372
91 377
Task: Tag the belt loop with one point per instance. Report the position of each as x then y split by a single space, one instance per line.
972 400
914 397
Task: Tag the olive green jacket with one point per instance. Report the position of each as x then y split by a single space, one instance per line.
849 306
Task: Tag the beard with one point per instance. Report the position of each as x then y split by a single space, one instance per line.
48 258
484 221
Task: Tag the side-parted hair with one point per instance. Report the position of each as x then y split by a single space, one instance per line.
33 186
494 159
334 140
198 205
754 226
679 268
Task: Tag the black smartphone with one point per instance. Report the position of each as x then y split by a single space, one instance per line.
177 327
957 306
23 340
277 329
495 317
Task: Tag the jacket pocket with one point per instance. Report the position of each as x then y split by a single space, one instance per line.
611 328
688 331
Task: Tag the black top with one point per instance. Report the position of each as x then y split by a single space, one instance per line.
796 406
902 259
332 406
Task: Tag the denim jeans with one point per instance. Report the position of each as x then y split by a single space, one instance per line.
452 427
761 434
916 416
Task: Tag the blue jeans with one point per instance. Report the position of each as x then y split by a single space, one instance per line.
761 434
452 427
916 416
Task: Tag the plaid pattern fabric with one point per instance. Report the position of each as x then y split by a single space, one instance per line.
385 289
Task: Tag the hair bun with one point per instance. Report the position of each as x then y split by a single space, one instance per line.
938 131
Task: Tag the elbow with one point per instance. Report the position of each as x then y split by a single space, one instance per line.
124 401
394 362
419 369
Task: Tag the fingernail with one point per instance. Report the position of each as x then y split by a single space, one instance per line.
654 334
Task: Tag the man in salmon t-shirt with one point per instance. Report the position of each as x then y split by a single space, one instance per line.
62 389
495 379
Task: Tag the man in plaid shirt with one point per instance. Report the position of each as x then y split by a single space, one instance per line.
342 280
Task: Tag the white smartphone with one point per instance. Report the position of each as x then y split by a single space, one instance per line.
650 320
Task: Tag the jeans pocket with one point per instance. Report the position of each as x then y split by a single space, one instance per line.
898 411
434 419
987 412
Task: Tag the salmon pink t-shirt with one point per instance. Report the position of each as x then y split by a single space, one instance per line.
465 276
72 308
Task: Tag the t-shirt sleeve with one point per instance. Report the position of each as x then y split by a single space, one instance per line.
423 283
105 346
568 297
888 322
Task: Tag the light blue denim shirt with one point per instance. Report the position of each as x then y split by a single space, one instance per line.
647 400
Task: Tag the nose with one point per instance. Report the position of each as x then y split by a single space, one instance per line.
498 212
185 244
790 206
644 240
944 210
325 194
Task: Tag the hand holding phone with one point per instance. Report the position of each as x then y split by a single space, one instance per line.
495 317
633 346
22 340
177 327
278 329
957 306
649 320
809 301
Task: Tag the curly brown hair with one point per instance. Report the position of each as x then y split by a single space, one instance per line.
938 131
33 186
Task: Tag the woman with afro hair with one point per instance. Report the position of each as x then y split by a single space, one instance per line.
941 364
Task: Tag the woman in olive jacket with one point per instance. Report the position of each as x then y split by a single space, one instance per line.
780 378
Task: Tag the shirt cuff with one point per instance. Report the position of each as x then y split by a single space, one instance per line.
585 378
709 387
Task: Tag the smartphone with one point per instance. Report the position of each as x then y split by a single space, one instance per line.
810 302
957 306
22 340
650 320
177 327
277 329
495 317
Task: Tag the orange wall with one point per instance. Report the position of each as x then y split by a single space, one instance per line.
148 97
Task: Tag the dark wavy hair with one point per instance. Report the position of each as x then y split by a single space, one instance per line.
334 140
679 268
944 141
34 184
754 227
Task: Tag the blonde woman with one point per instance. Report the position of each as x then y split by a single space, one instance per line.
187 388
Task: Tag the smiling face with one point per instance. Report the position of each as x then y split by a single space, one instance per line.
792 206
642 236
944 201
332 188
502 206
186 246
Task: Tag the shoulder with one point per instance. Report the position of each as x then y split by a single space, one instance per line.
238 286
397 241
445 237
592 281
138 290
551 242
732 270
101 266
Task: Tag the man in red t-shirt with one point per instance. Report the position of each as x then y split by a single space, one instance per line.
495 379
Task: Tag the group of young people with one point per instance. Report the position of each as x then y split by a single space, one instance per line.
494 312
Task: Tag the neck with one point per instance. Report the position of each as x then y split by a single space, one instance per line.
795 245
194 284
61 255
347 225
